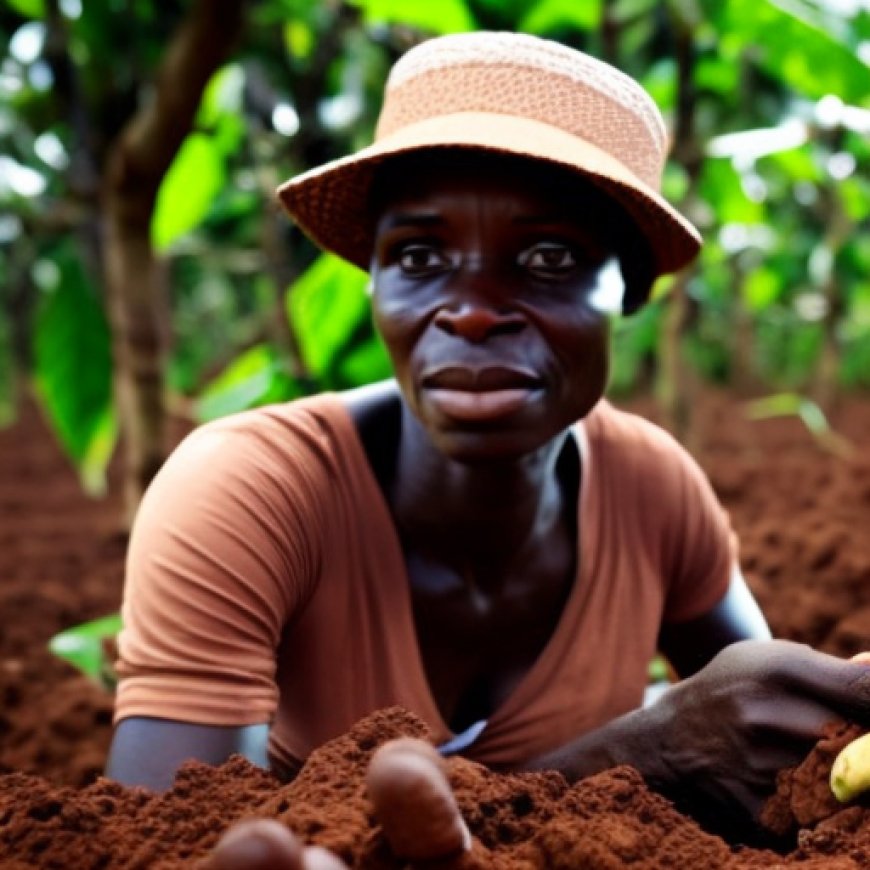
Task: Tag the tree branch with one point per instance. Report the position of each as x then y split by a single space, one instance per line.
135 279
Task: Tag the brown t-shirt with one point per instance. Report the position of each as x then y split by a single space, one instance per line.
266 583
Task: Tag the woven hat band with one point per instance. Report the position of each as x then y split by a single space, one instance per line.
551 98
331 202
510 94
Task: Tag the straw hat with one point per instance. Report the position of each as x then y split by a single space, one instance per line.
510 93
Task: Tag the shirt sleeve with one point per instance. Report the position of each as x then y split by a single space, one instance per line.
699 547
221 555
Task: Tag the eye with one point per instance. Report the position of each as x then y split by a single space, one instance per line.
417 259
548 259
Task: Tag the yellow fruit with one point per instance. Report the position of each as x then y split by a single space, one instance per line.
850 775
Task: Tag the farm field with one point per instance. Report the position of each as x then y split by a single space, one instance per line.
800 512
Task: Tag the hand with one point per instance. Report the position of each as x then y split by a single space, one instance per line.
758 707
266 844
412 800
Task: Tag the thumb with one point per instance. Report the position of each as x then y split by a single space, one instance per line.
414 802
266 844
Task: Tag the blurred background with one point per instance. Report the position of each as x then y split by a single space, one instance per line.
147 276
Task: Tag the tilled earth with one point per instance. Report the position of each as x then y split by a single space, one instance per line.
801 513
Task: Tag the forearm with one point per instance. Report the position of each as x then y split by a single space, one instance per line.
636 738
148 751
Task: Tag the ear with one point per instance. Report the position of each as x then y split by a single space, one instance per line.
639 277
637 294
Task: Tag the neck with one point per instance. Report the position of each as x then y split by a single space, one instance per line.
462 512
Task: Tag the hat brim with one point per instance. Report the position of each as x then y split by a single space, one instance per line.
331 202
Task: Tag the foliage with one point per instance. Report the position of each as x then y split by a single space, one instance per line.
72 364
772 101
808 412
256 377
90 648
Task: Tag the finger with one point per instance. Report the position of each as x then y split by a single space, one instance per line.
841 684
414 802
317 858
861 658
257 844
791 723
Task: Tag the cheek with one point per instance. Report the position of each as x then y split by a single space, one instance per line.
586 352
393 321
399 324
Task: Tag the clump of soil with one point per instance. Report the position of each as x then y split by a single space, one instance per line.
803 795
801 514
519 821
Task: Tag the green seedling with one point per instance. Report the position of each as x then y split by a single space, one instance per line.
850 774
659 671
90 647
809 413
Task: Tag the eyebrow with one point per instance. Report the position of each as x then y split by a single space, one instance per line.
551 218
411 219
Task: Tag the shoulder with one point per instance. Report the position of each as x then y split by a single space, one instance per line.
270 438
645 467
283 458
634 439
277 427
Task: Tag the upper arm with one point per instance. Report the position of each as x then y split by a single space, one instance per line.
690 644
222 555
148 751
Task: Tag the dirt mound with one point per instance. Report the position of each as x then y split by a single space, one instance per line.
519 821
800 512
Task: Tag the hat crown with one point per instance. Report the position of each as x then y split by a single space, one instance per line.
525 76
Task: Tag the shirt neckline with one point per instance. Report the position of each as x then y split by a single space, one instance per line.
528 685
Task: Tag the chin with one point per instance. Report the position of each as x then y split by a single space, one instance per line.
487 448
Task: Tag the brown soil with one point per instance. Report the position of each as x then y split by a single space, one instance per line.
801 514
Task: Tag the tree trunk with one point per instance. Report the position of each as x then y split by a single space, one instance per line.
675 385
135 280
824 388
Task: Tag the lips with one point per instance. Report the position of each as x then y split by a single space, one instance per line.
480 394
480 380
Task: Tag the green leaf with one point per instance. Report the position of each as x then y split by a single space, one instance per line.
717 74
550 15
779 405
660 82
804 46
92 468
299 39
810 414
366 363
84 646
29 8
256 377
73 368
797 163
634 342
221 95
721 187
855 193
433 16
761 288
195 178
220 109
675 182
325 306
659 670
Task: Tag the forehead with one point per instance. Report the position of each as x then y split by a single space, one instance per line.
493 185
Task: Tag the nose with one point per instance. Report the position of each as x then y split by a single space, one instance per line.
478 321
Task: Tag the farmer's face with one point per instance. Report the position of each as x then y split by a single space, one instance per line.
492 296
